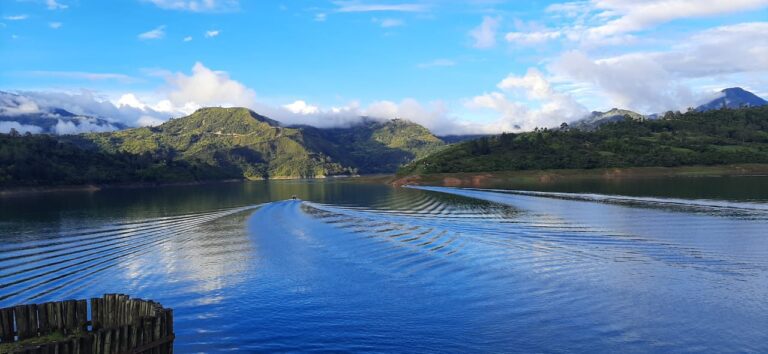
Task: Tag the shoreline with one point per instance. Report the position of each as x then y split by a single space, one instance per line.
23 191
486 179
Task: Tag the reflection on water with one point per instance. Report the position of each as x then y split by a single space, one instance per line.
366 267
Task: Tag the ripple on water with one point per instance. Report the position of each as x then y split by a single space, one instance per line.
436 270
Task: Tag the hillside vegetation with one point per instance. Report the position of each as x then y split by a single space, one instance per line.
212 144
722 136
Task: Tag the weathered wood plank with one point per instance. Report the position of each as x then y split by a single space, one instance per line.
26 321
6 325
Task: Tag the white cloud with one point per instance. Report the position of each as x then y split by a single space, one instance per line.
321 17
389 22
130 100
630 15
5 127
81 75
212 33
532 37
435 116
358 6
198 5
188 39
484 36
442 62
554 107
17 105
653 82
84 104
156 33
206 87
149 121
615 22
54 5
82 126
55 25
16 17
301 107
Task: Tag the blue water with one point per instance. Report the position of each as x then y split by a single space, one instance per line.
354 267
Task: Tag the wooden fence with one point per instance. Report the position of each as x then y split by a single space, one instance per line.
118 325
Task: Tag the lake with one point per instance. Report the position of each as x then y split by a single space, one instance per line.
652 265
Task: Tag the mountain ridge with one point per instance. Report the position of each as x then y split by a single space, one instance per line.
214 144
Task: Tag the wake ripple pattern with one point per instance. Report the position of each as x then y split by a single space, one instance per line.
56 262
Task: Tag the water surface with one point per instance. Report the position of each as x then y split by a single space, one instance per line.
366 267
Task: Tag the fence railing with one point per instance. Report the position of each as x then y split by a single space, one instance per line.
118 324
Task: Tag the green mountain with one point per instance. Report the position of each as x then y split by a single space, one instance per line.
212 144
375 146
724 136
226 143
596 119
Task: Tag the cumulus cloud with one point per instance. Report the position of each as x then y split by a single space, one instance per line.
55 5
301 107
188 39
554 107
206 87
5 127
484 36
212 33
657 81
81 126
126 111
11 105
434 116
156 33
197 5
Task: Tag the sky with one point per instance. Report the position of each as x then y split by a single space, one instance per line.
454 66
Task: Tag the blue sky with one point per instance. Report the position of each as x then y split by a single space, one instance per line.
455 66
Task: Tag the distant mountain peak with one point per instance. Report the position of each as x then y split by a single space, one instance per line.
597 118
218 117
733 97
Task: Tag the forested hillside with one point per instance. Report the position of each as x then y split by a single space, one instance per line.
721 136
212 144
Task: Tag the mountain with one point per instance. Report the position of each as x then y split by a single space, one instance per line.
213 144
691 138
734 97
596 119
19 113
374 146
